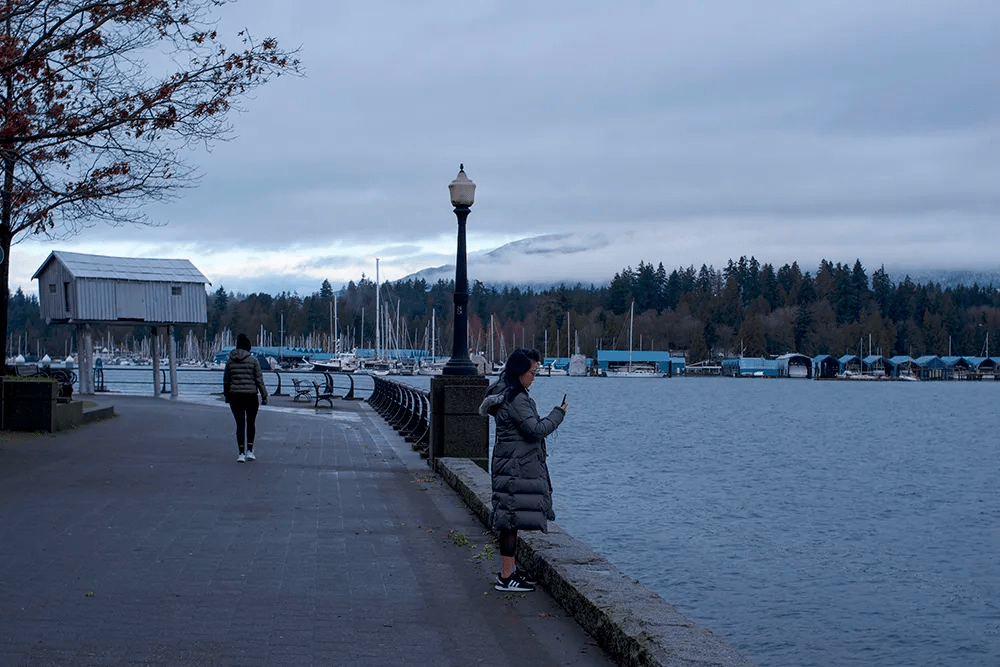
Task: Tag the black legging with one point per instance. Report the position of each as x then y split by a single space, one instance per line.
508 542
244 407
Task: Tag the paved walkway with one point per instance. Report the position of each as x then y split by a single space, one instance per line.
140 541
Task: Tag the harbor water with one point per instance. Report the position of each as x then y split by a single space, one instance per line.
808 523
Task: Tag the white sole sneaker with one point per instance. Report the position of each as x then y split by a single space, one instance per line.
513 585
241 458
251 457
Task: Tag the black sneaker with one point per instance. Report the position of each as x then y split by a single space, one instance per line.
513 584
525 577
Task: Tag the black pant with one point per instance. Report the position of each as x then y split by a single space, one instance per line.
244 407
508 542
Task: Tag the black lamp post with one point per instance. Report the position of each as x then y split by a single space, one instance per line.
463 194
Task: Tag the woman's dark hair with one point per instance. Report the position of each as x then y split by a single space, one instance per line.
242 342
530 353
518 363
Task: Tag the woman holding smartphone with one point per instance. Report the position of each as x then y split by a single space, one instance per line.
522 490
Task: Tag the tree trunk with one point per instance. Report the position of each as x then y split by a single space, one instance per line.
6 236
5 291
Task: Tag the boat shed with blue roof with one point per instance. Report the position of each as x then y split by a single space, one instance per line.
956 368
664 362
751 367
850 363
982 365
930 367
825 366
900 365
874 364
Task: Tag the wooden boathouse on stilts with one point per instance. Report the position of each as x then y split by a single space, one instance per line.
82 290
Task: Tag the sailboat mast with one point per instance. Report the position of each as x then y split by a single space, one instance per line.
378 317
631 317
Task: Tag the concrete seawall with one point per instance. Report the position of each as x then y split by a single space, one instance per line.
631 622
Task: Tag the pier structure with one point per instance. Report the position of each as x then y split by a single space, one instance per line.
82 290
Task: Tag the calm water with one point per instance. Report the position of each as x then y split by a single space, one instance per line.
808 523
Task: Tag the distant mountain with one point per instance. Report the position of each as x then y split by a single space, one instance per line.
569 259
501 266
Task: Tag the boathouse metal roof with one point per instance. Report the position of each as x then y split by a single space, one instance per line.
956 362
981 362
664 362
900 359
929 361
753 366
77 288
143 269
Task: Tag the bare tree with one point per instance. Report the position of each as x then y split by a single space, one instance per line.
101 102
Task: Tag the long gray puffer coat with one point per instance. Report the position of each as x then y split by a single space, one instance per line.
522 490
243 375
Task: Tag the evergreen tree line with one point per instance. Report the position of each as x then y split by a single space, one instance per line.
746 308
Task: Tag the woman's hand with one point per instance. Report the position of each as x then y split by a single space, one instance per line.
564 405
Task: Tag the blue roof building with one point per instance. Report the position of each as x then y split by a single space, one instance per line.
930 367
826 366
664 362
899 365
850 363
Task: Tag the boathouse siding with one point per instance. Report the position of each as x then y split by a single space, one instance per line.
78 288
850 363
664 362
794 365
826 366
930 367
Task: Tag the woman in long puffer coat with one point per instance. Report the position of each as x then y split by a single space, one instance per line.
241 382
522 490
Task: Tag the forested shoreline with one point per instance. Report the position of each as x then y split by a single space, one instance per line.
745 308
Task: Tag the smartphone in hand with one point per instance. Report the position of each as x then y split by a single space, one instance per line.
564 398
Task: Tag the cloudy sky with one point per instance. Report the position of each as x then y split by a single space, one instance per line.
600 134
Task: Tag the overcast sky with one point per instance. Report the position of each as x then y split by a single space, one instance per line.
675 132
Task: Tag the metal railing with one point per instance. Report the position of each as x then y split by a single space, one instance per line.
405 408
139 380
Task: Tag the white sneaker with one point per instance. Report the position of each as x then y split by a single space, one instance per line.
250 456
241 458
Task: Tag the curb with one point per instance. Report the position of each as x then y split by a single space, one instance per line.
635 625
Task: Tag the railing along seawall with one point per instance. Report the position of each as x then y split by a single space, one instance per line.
405 408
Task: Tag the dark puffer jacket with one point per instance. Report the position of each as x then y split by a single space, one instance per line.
243 375
522 490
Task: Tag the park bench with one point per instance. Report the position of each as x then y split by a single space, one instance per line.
301 389
323 394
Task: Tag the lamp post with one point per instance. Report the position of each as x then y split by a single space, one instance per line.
463 194
457 428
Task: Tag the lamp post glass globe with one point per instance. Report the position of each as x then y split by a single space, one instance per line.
462 189
463 194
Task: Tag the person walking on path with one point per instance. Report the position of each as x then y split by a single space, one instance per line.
241 382
522 490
